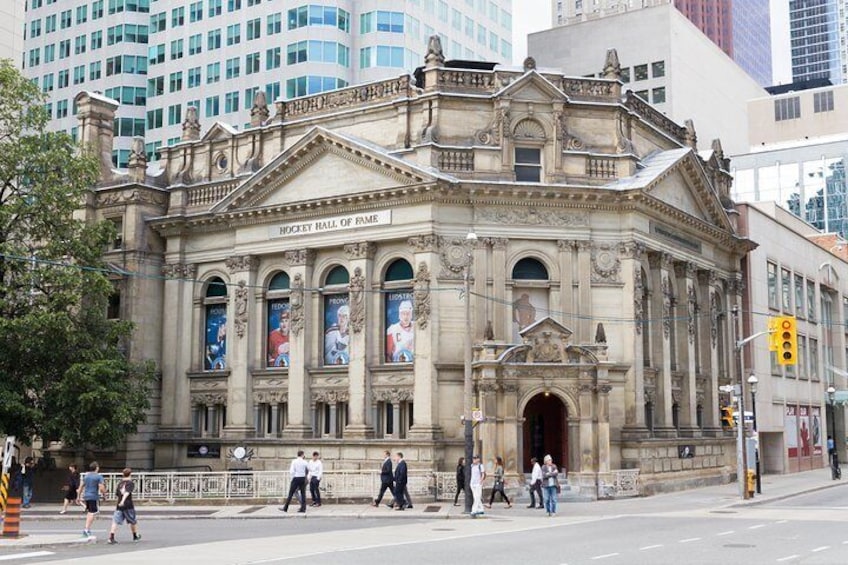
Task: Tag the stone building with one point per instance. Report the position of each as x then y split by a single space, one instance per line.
311 268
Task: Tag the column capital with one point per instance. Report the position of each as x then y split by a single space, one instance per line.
360 250
660 260
300 257
240 263
684 269
423 243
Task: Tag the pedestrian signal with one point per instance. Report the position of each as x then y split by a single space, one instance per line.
727 420
774 335
787 340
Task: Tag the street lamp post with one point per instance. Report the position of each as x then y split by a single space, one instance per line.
753 380
468 386
831 403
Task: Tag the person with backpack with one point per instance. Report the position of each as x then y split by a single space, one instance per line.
125 510
478 475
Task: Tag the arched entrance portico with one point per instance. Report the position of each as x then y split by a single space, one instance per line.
545 430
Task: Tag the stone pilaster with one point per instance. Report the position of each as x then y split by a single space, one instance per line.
687 363
603 391
709 348
426 307
588 452
501 323
361 262
177 351
300 270
660 328
634 392
585 330
240 311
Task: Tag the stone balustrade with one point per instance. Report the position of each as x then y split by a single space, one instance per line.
206 195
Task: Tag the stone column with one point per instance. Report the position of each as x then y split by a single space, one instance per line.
240 311
588 453
660 326
687 300
275 419
176 356
300 269
425 424
361 260
513 434
635 426
487 394
501 322
574 448
709 349
603 425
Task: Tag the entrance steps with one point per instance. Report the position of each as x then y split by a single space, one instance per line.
570 492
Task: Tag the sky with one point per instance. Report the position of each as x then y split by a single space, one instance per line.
527 16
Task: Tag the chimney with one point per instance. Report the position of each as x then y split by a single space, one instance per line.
138 160
96 115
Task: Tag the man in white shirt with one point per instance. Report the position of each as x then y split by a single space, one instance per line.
478 475
316 471
536 484
298 471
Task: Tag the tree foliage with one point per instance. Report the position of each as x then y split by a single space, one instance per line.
63 372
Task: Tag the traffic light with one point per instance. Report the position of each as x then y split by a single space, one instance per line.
727 420
787 340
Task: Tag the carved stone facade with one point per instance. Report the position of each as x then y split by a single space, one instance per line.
340 226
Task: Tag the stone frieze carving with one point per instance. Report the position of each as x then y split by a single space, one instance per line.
456 255
667 303
357 300
713 318
241 263
179 270
330 396
270 396
361 250
299 257
296 304
692 303
240 319
532 217
392 395
638 298
606 265
423 243
209 398
421 296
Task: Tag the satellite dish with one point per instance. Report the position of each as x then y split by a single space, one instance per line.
239 453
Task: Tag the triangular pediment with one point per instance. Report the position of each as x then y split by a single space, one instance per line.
546 325
324 164
532 87
676 190
219 130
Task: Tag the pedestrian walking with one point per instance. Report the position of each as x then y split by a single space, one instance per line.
316 471
536 484
402 499
125 509
27 480
460 480
550 480
499 483
478 475
298 471
71 489
93 487
386 479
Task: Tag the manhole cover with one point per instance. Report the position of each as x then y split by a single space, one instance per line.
739 545
443 529
723 512
432 508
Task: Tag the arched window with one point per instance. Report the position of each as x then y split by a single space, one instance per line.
397 304
399 270
215 325
278 323
336 317
530 298
529 269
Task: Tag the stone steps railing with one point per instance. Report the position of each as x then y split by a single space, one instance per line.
259 485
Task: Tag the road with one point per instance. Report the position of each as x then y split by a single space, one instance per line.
682 528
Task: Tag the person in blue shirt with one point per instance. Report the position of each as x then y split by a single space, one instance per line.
93 487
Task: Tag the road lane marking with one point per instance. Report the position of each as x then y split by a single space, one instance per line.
604 556
687 540
727 533
822 548
26 555
781 521
647 547
757 527
787 558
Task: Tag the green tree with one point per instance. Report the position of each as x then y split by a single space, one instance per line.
63 371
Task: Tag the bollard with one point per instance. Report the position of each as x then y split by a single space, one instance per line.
12 519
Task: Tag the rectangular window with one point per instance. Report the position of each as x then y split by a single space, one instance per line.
254 29
47 83
234 34
389 56
213 39
175 113
155 86
274 24
272 91
786 290
96 39
178 17
50 23
799 296
158 22
528 164
177 49
212 106
64 49
156 54
213 72
801 369
658 95
233 68
771 278
194 77
62 109
79 45
787 109
195 12
35 29
640 72
658 69
195 44
823 102
272 58
814 359
94 70
625 75
65 19
233 5
62 77
49 53
365 57
79 74
175 82
231 102
811 300
214 8
97 9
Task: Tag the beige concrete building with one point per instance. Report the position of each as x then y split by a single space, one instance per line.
796 117
313 263
12 30
666 61
791 274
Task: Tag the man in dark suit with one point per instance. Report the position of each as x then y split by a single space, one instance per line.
402 499
386 478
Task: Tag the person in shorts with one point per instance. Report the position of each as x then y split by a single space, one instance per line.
125 511
93 486
71 489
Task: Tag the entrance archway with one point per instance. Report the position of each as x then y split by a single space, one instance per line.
545 430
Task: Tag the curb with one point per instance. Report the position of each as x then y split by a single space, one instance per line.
33 540
778 498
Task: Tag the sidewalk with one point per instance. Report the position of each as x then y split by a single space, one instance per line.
775 488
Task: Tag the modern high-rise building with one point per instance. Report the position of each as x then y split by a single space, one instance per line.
815 38
740 28
12 30
159 56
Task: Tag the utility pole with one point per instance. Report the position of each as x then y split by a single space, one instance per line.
741 458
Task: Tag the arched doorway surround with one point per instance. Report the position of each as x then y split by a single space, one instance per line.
544 430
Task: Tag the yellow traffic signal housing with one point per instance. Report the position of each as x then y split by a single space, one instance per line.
727 420
773 336
787 340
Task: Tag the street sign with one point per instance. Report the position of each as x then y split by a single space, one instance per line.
8 451
477 415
